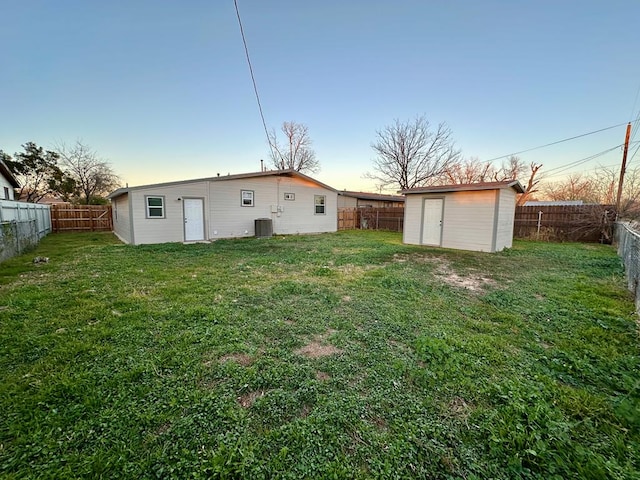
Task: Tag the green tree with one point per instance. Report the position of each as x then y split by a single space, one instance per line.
37 171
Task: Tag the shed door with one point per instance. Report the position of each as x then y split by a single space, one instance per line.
432 221
193 219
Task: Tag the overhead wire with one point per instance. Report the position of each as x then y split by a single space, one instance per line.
568 166
253 78
555 143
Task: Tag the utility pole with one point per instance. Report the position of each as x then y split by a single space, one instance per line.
622 169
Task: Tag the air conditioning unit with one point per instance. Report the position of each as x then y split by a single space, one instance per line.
264 227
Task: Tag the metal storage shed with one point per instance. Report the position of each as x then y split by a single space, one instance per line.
474 216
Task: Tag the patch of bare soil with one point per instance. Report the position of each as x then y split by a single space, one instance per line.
249 398
239 358
322 376
458 407
317 348
472 281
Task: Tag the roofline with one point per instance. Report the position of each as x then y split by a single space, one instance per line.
280 173
8 174
466 187
371 196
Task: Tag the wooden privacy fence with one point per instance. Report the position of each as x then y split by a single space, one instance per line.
583 223
81 218
391 218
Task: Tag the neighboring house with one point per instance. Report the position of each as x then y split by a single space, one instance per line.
553 203
476 216
223 207
7 183
348 199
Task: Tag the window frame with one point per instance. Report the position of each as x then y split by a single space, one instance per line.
7 194
253 198
323 204
149 207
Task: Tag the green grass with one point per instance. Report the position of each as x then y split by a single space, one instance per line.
196 361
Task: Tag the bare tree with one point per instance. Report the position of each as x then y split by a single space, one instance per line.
93 177
600 187
296 152
532 183
574 187
469 170
411 154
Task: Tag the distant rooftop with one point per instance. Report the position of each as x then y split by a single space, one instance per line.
372 196
552 203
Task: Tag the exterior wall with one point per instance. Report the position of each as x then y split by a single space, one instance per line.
5 183
412 219
224 215
230 219
347 202
122 218
170 228
467 222
505 219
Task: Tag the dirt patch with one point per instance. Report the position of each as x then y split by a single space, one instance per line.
249 399
317 348
459 408
239 358
322 376
471 281
346 298
305 411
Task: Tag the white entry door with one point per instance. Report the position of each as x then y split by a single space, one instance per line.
432 221
193 219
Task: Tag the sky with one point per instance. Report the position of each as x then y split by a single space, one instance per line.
161 89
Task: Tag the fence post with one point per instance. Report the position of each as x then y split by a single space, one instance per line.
539 222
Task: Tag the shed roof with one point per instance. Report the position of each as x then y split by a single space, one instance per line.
466 187
372 196
223 178
6 173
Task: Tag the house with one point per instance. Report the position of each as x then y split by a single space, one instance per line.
223 207
476 216
7 183
347 199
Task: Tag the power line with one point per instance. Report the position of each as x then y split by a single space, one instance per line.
253 78
568 166
555 143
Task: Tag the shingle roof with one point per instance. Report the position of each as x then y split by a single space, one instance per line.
372 196
466 187
222 178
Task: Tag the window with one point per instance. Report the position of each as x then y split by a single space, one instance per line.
247 198
289 196
6 193
155 207
320 201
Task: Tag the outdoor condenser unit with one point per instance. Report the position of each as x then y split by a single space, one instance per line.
264 227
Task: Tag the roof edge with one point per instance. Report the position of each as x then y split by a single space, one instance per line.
219 178
466 187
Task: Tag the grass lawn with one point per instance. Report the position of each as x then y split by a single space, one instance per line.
343 355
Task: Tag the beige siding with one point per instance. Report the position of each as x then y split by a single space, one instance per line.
347 202
230 219
171 227
506 214
469 220
121 218
412 219
5 183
